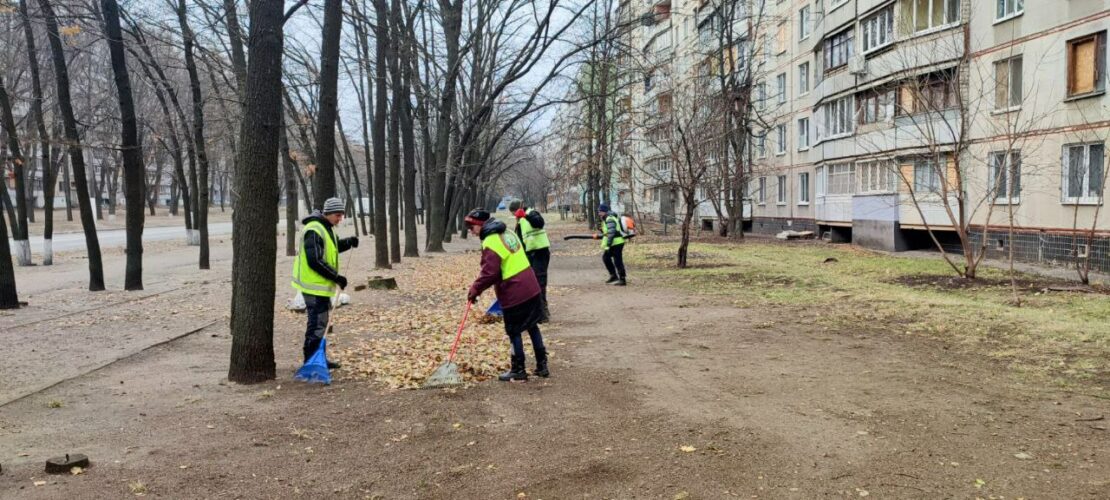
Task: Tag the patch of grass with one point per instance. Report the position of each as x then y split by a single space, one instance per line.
1059 335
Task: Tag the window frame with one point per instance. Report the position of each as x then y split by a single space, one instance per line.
780 82
804 27
1000 14
1086 189
780 139
934 179
1099 38
803 78
1010 89
845 177
803 133
880 173
1013 182
880 101
762 198
820 182
888 26
803 188
842 111
781 191
843 39
945 21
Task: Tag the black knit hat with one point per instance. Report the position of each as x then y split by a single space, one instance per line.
477 217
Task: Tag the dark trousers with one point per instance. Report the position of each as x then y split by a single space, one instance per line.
539 260
517 342
318 309
614 261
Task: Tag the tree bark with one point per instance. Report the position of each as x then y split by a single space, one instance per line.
255 218
19 226
76 155
290 193
394 137
381 243
201 191
324 179
134 174
9 297
409 147
451 19
235 35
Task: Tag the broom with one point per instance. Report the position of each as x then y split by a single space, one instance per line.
448 373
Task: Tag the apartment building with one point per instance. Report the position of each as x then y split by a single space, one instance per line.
883 119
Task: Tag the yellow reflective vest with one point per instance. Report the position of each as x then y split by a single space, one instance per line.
618 239
534 239
305 278
508 247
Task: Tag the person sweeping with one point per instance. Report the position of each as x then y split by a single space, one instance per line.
537 246
316 270
505 267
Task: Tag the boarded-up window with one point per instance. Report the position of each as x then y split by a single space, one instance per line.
1086 64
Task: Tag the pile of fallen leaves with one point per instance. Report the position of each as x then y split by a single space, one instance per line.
399 344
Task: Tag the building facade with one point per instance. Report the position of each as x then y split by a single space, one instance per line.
882 120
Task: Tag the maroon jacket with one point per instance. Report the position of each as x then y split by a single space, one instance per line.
511 292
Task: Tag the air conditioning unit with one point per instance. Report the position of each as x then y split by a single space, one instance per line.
857 65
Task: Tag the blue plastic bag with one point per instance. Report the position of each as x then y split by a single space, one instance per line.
315 370
495 309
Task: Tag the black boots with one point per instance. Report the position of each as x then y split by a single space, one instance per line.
612 280
621 282
516 372
541 364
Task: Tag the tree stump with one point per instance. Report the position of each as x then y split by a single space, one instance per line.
62 465
382 283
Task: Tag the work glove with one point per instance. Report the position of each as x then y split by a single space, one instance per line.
342 282
353 240
471 297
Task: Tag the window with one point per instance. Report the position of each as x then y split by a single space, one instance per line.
761 193
931 93
926 176
760 96
837 49
761 146
1009 8
838 117
647 81
803 134
878 29
877 176
804 26
780 136
1083 173
819 184
1087 65
803 78
1005 176
930 14
782 38
803 188
782 190
875 106
841 179
1007 83
780 82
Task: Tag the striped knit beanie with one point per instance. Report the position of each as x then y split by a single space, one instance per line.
333 205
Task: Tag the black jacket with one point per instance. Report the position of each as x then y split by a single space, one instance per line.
313 247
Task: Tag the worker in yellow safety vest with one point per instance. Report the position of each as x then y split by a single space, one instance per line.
316 270
611 233
537 246
505 267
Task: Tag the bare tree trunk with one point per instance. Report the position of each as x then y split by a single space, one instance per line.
290 193
235 35
451 19
323 186
132 149
198 135
408 141
255 218
354 173
394 139
9 298
76 156
381 243
19 226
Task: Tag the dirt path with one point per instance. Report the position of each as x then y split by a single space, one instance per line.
773 407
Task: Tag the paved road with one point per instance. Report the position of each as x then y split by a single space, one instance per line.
118 237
